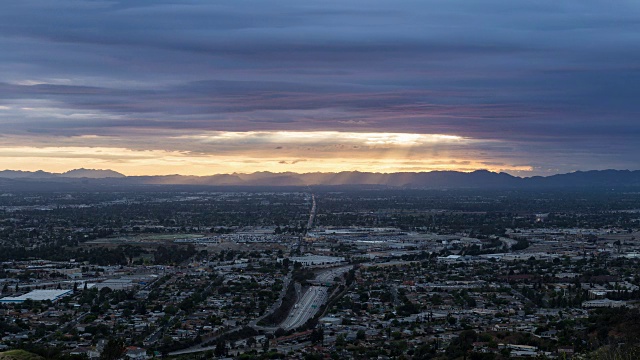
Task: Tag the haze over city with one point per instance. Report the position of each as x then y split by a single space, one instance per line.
201 88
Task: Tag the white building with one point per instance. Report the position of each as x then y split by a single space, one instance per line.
314 260
603 303
37 295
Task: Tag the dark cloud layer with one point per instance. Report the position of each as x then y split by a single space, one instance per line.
556 82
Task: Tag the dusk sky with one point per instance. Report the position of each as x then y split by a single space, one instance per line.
207 87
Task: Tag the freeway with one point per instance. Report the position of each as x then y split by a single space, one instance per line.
329 275
253 323
306 307
312 300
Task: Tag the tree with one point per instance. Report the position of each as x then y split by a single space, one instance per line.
114 349
221 348
317 336
625 352
618 245
251 342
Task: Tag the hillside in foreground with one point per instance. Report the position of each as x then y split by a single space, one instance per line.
19 355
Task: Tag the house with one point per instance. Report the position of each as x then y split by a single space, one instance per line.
91 352
136 353
566 351
549 334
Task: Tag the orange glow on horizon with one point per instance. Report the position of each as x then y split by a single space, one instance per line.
247 152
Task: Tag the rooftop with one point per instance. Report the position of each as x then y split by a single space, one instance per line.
37 295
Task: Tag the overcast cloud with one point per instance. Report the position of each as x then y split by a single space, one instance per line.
538 87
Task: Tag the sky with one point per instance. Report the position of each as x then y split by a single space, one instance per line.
154 87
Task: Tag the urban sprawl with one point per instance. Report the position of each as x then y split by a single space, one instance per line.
322 274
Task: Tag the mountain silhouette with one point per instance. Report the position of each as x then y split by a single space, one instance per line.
481 179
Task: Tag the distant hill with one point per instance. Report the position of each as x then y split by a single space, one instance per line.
481 179
19 355
77 173
91 173
17 174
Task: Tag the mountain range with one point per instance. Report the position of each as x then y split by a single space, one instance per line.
481 179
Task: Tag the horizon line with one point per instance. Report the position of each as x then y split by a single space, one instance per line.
317 172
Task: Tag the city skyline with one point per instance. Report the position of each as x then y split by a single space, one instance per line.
196 88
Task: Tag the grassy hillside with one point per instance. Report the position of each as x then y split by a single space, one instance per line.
19 355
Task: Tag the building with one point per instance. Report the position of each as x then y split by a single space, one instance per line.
314 260
37 295
136 353
603 303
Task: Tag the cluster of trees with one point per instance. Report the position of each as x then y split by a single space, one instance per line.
521 244
616 325
290 230
280 314
121 255
173 254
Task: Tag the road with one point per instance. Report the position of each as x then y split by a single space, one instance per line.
71 324
312 214
330 274
253 323
306 307
157 334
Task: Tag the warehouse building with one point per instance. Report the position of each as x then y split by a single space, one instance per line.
37 295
